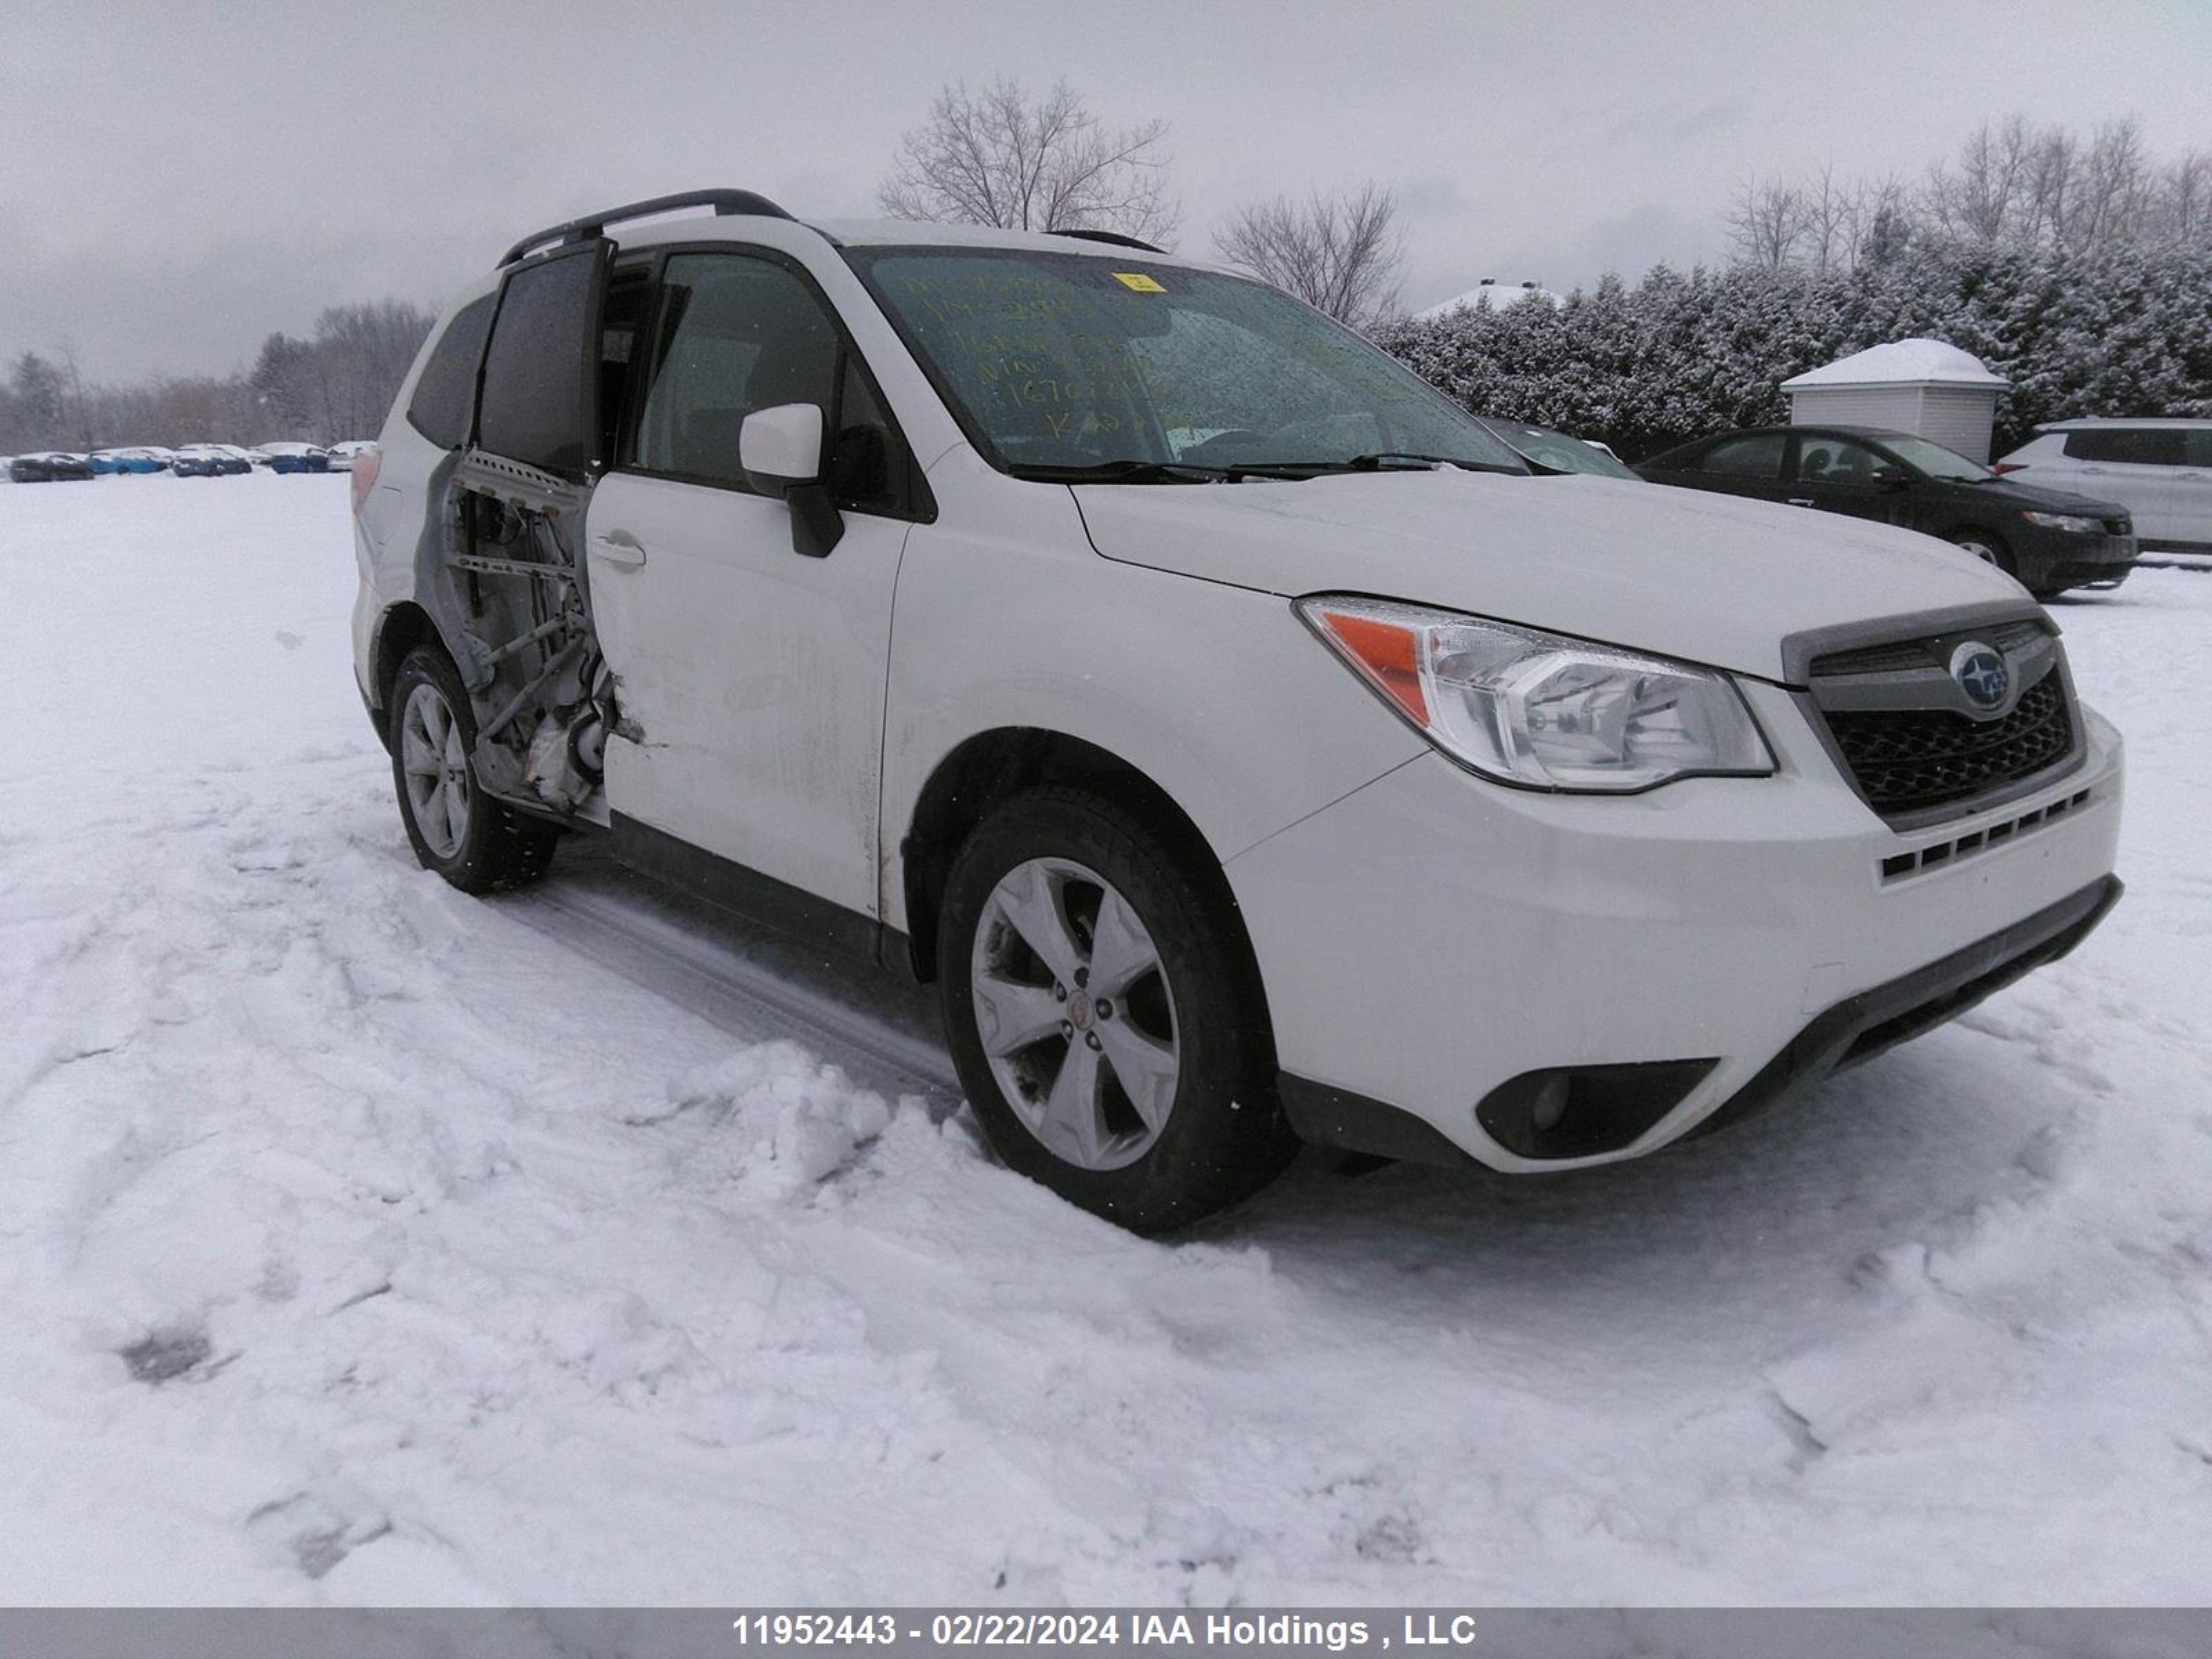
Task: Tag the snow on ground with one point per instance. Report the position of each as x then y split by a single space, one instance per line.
366 1244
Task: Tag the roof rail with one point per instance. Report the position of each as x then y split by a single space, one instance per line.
1113 237
723 202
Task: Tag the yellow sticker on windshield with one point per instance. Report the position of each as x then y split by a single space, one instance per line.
1139 281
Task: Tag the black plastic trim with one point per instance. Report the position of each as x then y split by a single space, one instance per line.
709 878
1323 1116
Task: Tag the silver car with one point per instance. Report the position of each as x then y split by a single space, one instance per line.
2160 470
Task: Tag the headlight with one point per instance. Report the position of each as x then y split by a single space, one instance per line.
1541 710
2072 523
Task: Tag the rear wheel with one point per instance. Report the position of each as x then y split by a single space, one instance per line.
1104 1014
478 844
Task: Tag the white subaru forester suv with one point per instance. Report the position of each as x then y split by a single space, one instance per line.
1247 745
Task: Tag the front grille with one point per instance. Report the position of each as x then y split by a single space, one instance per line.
1907 761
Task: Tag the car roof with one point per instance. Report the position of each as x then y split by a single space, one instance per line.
1878 434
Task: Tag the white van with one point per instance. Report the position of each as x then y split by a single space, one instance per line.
1244 741
2159 471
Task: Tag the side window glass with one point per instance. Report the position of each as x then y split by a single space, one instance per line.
1757 456
737 334
1840 461
445 400
2134 446
2198 452
539 404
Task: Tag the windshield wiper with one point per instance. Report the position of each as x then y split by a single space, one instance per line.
1401 460
1122 472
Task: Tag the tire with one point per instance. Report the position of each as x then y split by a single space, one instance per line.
1986 548
1187 1036
478 844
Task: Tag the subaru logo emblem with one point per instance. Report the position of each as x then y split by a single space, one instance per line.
1981 673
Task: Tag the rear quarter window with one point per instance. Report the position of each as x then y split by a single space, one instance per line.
445 394
2141 446
1758 455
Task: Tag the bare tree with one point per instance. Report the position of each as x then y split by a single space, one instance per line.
1766 222
1341 252
1983 195
2111 187
2180 208
1829 214
1004 157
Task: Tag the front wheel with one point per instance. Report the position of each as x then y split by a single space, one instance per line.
1104 1014
478 844
1986 548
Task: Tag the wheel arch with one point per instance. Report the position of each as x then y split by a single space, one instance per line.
1969 530
991 766
402 627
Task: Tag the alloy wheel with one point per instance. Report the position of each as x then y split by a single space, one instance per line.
1075 1013
437 771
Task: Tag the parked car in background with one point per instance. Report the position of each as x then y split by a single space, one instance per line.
139 459
1549 450
295 458
103 464
2048 539
49 467
342 454
194 463
2160 470
224 458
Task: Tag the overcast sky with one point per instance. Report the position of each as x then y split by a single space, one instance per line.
178 181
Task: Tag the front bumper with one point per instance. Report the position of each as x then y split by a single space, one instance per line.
2081 561
1432 939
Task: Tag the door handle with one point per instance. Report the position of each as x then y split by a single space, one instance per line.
2093 469
620 547
1801 501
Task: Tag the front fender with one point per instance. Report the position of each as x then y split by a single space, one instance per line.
1217 694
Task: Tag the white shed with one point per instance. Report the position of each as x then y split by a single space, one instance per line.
1941 392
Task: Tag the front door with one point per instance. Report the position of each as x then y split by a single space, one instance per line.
749 677
1841 474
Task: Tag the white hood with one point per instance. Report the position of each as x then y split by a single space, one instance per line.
1708 578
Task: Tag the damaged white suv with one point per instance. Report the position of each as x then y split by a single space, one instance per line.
1247 745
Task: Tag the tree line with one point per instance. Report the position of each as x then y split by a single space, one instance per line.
333 384
2123 330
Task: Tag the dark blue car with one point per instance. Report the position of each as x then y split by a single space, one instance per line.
296 458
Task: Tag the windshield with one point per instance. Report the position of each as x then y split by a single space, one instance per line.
1061 363
1936 461
1559 452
